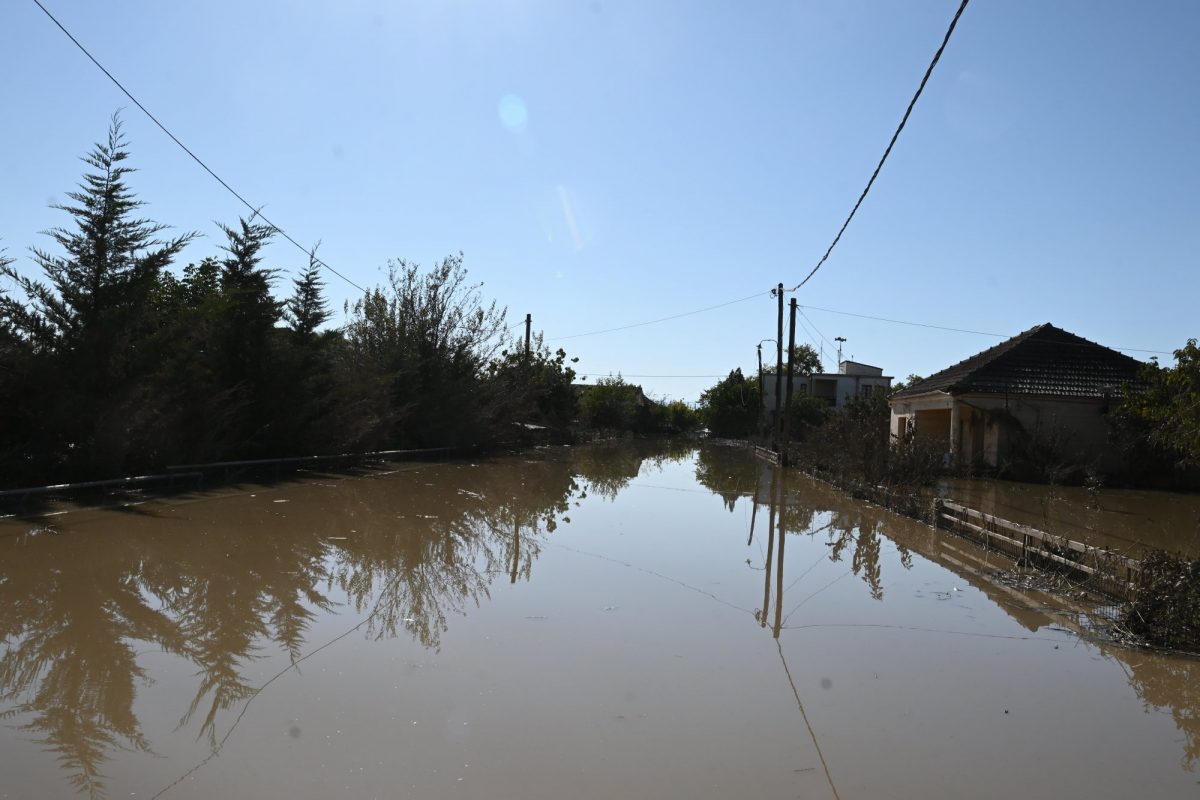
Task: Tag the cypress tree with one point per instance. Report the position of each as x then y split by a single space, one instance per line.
307 308
88 316
95 290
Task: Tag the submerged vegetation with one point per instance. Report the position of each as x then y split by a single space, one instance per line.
1165 609
113 362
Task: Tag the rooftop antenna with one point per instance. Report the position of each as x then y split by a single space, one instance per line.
840 340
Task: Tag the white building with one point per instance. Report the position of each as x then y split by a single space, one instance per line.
836 388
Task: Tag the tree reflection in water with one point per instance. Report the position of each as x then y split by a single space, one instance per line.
77 609
221 584
607 468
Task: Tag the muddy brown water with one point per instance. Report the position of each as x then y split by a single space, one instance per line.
1129 521
597 622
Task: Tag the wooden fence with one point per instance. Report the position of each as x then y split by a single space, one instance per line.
1109 572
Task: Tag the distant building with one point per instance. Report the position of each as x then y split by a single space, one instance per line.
852 380
1044 387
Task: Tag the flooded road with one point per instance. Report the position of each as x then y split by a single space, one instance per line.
593 622
1129 521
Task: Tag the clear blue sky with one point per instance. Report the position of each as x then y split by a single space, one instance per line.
609 162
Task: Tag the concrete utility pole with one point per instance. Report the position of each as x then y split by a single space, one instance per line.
760 378
779 360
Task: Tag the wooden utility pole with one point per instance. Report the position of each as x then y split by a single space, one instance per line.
779 360
528 323
791 373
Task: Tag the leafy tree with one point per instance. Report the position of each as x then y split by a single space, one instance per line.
1162 410
909 382
731 408
534 387
424 340
611 403
681 417
805 361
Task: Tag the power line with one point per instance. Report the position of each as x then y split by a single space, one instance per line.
255 210
630 375
929 71
812 338
808 319
905 322
656 321
964 330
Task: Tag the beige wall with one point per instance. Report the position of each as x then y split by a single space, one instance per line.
933 425
990 425
1079 425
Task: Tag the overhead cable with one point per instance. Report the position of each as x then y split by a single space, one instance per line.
254 209
965 330
929 71
618 374
656 321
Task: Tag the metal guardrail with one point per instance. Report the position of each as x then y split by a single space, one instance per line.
179 472
257 462
71 487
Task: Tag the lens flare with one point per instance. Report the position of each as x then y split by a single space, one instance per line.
512 113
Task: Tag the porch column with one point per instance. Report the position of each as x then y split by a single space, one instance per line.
955 430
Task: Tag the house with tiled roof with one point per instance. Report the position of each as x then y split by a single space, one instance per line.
1045 385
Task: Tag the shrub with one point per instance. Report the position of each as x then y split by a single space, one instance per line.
1165 610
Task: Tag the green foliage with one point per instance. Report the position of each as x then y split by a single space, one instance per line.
732 407
307 309
1160 415
805 414
853 449
108 263
534 387
681 417
86 319
909 382
114 363
429 336
805 361
611 403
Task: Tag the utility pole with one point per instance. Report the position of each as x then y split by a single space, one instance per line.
840 340
528 323
791 373
761 404
779 360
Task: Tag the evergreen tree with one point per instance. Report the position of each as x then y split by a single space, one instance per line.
95 290
307 309
88 318
251 310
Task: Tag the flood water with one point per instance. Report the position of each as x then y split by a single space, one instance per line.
1129 521
632 621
